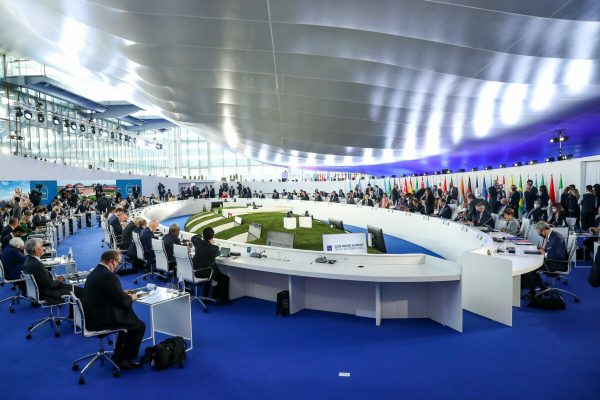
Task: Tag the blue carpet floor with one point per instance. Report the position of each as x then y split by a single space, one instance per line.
243 351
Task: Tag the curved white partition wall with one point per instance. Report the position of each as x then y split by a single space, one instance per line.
384 286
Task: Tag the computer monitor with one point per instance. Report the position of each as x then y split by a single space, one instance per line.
336 223
216 204
254 230
377 239
280 239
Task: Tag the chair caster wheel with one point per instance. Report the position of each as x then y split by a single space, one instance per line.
135 282
576 299
75 367
28 336
117 374
81 380
57 334
58 323
12 310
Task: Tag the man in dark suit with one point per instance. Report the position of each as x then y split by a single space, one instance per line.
556 256
135 191
206 251
588 208
127 237
531 195
481 217
452 194
17 210
515 198
367 201
445 210
169 240
107 306
50 289
18 231
116 223
8 229
146 236
39 218
494 201
537 214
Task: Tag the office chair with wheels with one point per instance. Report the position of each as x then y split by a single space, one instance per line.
139 250
553 275
101 354
186 269
54 317
162 262
106 239
17 296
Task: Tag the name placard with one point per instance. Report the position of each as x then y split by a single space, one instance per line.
347 243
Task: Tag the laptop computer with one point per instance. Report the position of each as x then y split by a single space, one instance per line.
224 252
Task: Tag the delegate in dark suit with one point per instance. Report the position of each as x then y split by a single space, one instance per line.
127 237
588 209
494 203
107 306
515 198
117 228
168 242
206 267
50 289
146 237
556 255
445 212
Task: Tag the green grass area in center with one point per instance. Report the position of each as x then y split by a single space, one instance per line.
304 238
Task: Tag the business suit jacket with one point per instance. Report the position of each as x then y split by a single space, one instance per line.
127 237
530 197
205 253
50 290
146 237
556 250
6 239
483 219
38 220
168 242
494 203
12 259
105 304
117 228
537 215
515 198
445 212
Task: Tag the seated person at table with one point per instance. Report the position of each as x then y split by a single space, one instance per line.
480 217
107 306
127 237
558 216
366 201
146 236
8 229
445 210
13 259
169 240
39 218
116 224
18 231
503 206
415 206
588 243
555 256
50 289
205 266
511 224
350 199
136 263
537 214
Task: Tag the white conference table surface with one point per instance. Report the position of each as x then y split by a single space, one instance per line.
521 263
345 270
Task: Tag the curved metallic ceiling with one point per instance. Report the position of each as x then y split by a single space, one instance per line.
406 85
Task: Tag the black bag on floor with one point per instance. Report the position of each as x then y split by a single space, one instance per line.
283 303
166 354
594 278
550 301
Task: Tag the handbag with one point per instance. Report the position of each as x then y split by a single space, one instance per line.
168 353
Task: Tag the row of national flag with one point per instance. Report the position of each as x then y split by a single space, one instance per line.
413 184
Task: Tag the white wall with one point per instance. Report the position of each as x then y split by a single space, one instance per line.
21 168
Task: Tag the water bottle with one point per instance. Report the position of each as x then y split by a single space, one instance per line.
70 254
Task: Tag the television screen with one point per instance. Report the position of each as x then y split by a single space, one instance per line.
377 239
336 223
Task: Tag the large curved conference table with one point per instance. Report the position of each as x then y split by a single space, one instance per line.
472 275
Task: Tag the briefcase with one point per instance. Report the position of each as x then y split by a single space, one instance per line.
283 303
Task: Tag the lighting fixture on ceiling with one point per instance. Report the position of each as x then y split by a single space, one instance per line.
55 120
532 162
517 164
82 127
489 167
28 115
502 166
549 159
73 126
18 112
41 118
474 169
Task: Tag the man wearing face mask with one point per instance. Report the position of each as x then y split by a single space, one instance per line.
537 214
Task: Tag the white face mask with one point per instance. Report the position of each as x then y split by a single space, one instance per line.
554 210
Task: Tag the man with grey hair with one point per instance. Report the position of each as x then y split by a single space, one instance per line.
50 289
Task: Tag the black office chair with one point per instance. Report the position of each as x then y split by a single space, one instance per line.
553 275
54 317
101 354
